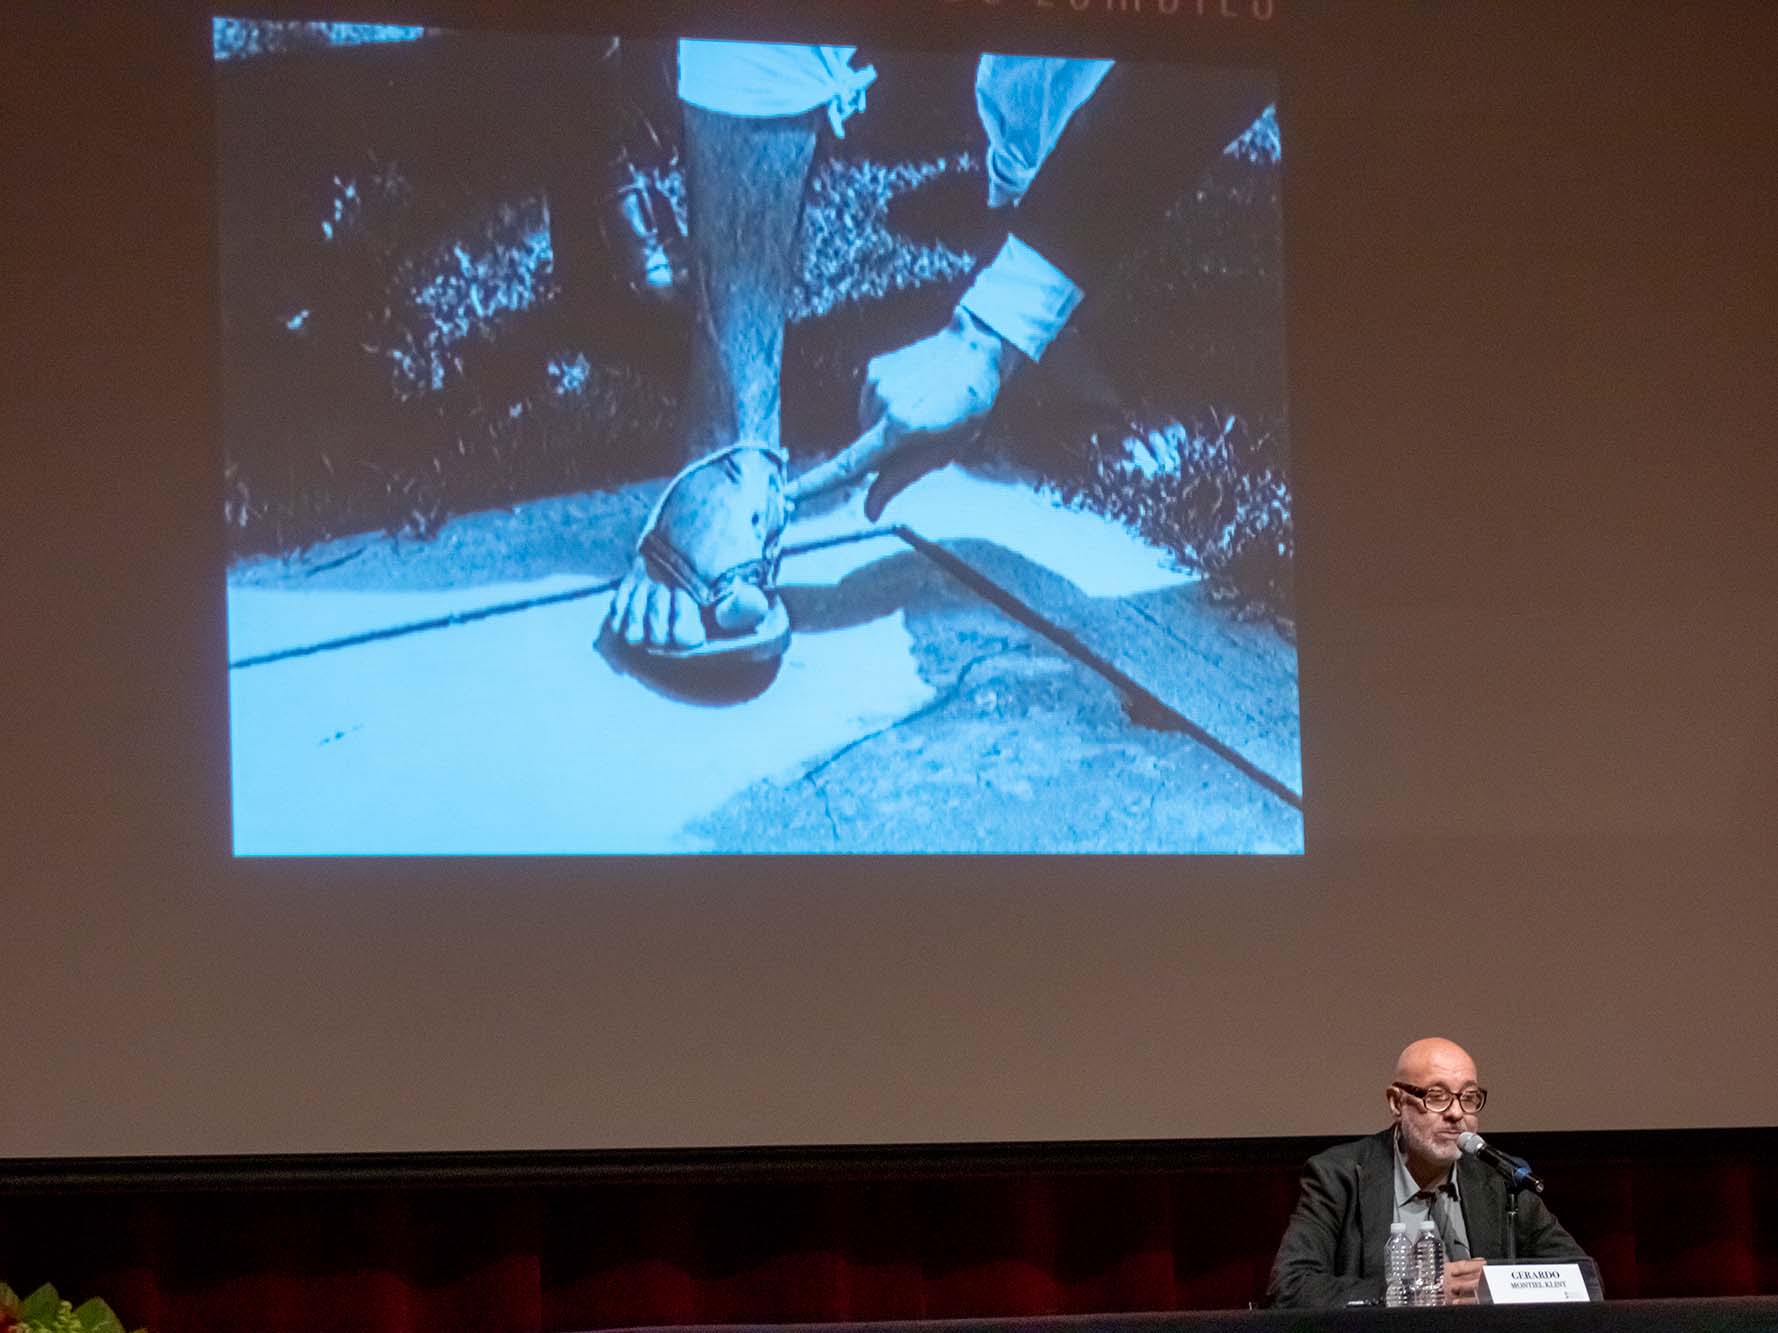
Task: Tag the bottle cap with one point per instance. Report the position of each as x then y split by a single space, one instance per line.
1398 1228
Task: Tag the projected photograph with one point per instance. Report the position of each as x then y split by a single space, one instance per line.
679 447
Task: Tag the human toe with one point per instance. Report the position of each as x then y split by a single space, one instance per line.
685 622
627 606
657 619
741 609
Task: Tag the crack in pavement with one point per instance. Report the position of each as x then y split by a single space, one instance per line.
939 701
1021 610
833 822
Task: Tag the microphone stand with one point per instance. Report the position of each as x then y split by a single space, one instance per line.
1512 1221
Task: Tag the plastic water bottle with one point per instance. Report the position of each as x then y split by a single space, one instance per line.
1398 1259
1428 1267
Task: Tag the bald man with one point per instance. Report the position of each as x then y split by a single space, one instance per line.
1412 1171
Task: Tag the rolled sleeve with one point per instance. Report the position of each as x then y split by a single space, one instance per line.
1023 297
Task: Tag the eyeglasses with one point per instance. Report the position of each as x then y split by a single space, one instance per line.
1438 1100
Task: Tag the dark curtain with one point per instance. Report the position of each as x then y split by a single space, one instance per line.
784 1237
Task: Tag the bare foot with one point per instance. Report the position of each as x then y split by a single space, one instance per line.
707 560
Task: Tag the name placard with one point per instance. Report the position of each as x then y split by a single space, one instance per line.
1533 1283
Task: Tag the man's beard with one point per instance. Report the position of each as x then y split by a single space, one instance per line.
1431 1144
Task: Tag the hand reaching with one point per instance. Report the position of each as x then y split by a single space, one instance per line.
1463 1280
920 405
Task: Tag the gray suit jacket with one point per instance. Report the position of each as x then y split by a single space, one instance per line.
1332 1251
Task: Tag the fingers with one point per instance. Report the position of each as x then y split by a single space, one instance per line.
871 407
1462 1279
865 454
897 474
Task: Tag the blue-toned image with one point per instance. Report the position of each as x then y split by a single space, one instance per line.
685 447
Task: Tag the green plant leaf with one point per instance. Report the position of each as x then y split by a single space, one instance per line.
41 1305
9 1300
96 1317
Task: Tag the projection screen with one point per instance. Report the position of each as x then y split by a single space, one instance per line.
456 376
1306 579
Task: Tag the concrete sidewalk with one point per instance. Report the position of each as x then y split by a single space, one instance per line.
995 673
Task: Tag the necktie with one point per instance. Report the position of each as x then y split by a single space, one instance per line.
1439 1205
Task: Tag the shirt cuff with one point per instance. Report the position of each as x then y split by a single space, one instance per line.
1023 297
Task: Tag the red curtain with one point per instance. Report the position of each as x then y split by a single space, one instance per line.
800 1240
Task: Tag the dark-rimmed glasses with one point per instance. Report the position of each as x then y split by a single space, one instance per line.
1438 1100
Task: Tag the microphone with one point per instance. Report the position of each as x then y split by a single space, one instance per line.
1517 1172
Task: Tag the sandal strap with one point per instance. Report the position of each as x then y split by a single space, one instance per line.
671 563
667 561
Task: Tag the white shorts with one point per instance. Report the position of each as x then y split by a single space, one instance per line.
1025 103
773 79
